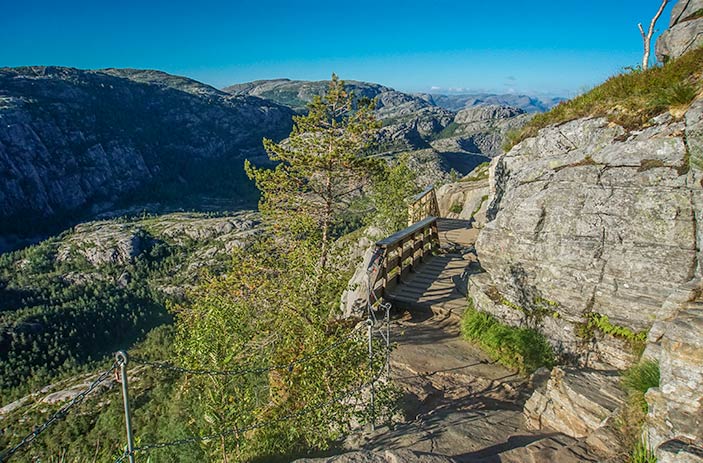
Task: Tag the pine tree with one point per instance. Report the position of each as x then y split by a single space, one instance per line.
322 166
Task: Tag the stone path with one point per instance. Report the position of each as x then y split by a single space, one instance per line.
458 403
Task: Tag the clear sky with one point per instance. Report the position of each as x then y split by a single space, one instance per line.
552 47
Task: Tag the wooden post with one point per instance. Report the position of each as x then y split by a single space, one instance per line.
400 261
384 275
413 252
434 238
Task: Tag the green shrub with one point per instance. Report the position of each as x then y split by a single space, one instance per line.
680 93
636 381
522 348
456 208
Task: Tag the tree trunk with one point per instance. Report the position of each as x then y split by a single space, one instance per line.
647 37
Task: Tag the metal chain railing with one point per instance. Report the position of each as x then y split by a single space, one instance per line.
62 412
234 431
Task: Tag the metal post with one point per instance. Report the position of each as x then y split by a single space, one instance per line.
388 341
121 358
373 390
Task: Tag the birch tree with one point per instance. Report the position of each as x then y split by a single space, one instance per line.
647 36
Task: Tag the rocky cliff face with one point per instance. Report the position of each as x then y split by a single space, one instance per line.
685 30
588 221
481 129
74 143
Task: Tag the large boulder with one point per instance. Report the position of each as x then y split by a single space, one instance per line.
575 402
685 31
588 221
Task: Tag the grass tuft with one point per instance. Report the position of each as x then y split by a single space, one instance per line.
630 99
522 348
636 381
642 453
639 378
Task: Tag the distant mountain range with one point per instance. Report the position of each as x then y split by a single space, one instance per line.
529 104
297 93
75 143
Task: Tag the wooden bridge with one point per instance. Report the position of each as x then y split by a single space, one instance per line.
424 265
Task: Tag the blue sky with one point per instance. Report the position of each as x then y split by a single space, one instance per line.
551 47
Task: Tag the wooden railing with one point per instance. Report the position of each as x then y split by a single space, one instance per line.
423 205
400 254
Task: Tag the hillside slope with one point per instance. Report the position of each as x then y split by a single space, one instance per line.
75 143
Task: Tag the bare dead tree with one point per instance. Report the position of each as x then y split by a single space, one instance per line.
647 37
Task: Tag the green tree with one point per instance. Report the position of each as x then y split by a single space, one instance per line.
322 167
276 305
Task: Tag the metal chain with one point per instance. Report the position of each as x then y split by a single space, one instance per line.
246 371
63 411
229 432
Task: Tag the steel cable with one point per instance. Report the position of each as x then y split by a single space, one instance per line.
62 412
229 432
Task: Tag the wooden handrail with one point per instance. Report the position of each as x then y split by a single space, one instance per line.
423 205
400 254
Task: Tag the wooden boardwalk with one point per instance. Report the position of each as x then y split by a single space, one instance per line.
437 284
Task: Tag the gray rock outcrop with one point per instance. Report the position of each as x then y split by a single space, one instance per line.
685 31
575 402
481 129
676 406
588 220
466 199
486 113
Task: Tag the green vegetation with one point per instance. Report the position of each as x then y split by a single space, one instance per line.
95 430
522 348
392 189
642 453
602 323
272 304
51 325
277 304
636 381
630 99
639 378
456 208
448 132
